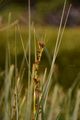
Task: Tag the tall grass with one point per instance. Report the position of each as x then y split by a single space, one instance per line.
36 101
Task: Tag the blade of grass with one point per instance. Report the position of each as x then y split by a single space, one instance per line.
60 40
35 45
8 40
46 89
23 45
76 109
16 80
29 11
30 86
8 77
68 105
54 103
9 26
55 55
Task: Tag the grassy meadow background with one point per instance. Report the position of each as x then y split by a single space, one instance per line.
69 54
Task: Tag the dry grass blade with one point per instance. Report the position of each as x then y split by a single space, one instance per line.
35 45
7 89
76 83
76 109
54 57
29 11
8 74
18 80
44 78
30 83
68 105
9 26
8 39
59 32
23 45
28 109
63 30
73 89
54 109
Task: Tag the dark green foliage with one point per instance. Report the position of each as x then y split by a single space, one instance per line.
69 66
46 7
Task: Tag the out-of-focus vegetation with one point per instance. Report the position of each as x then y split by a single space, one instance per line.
70 41
42 12
42 6
67 59
15 89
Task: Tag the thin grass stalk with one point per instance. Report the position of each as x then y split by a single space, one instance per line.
46 51
8 78
60 40
54 103
22 107
42 86
2 98
22 67
29 11
6 116
68 105
23 101
76 109
25 51
5 86
76 83
48 55
56 51
28 110
16 68
9 26
16 75
29 95
8 40
57 43
20 87
15 99
46 89
23 46
44 81
59 31
15 107
35 45
44 78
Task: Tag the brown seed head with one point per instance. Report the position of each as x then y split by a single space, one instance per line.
41 44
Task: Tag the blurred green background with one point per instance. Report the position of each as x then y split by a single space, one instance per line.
45 17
